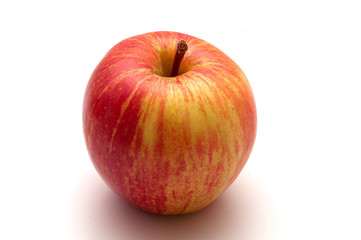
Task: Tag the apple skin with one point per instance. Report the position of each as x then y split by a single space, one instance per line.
168 145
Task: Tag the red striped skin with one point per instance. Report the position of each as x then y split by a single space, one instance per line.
168 145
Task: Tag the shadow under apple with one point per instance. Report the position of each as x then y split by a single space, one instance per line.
96 213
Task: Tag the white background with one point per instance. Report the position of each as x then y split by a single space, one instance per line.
303 60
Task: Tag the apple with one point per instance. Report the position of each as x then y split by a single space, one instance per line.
169 121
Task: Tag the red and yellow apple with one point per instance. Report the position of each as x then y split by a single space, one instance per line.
168 144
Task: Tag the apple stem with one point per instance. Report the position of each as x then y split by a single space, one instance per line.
181 50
